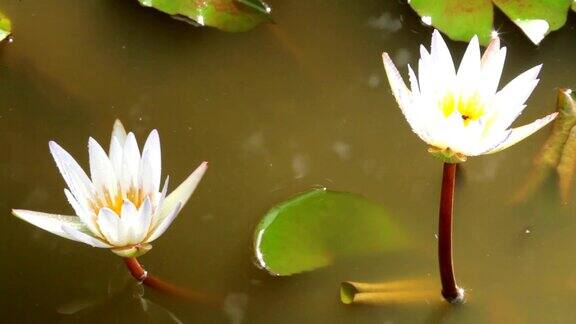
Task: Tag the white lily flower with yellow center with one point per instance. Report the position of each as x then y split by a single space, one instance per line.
461 113
121 207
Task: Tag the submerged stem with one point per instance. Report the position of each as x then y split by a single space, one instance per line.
450 291
140 274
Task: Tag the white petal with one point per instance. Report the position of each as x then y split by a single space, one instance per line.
402 94
181 194
492 65
415 89
50 222
159 199
491 51
517 87
84 238
116 153
130 163
118 133
165 223
165 188
128 224
76 179
520 133
509 102
469 70
143 221
83 212
109 224
152 161
426 73
101 170
117 146
441 57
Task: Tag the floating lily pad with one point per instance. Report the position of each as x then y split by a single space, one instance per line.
459 19
462 19
313 229
5 27
227 15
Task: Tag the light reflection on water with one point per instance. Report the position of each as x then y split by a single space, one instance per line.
275 112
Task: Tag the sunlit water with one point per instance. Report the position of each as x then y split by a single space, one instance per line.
276 111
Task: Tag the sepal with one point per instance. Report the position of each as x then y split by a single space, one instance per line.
447 155
132 251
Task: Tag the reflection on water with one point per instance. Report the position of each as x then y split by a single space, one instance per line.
125 305
276 111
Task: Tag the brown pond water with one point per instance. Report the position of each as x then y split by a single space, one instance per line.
276 111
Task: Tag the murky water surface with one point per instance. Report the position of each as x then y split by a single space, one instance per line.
276 111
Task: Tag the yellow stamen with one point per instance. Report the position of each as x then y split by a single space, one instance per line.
471 108
134 195
448 104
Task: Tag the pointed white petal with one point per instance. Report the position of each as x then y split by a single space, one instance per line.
76 179
83 212
469 70
143 221
50 222
118 133
151 158
509 102
492 65
181 194
491 50
426 73
413 81
146 177
79 236
158 200
109 224
441 56
164 189
128 224
130 163
165 223
116 152
403 96
397 85
517 87
520 133
101 170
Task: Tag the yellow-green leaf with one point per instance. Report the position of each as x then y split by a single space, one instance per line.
5 27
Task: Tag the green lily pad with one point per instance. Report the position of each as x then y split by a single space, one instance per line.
227 15
5 27
459 19
315 228
462 19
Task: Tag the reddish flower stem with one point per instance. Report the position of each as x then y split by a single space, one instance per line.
140 274
450 290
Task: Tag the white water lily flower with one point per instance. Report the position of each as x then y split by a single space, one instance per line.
121 207
461 113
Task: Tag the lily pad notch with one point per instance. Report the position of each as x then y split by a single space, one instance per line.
462 19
